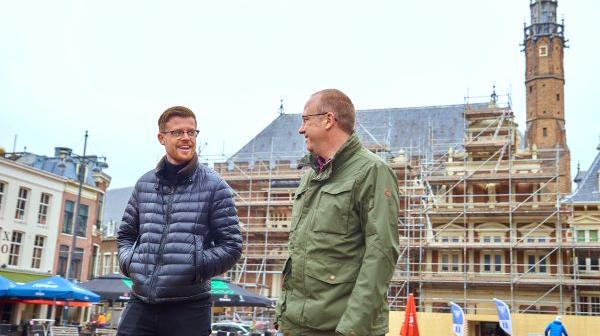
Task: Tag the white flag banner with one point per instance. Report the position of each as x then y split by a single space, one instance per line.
458 319
504 316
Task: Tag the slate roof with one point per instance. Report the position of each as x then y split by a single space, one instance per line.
64 166
115 201
391 128
587 189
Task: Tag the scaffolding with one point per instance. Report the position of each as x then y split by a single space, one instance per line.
484 219
480 218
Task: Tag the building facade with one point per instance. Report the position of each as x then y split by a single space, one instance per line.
584 224
29 217
64 167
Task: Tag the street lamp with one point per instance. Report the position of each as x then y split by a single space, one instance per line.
81 174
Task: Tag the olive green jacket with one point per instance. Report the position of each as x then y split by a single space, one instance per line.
343 245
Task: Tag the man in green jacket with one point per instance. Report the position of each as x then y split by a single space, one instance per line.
344 232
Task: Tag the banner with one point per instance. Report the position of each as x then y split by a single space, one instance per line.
458 319
504 316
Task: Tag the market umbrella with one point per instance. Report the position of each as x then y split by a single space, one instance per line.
5 285
53 288
225 294
115 287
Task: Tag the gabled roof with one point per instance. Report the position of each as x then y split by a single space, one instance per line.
587 189
391 129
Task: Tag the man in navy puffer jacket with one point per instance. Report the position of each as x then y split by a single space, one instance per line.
556 328
179 229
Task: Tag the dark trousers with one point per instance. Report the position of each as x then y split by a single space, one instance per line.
166 319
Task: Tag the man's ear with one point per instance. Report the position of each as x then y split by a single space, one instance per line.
161 138
329 120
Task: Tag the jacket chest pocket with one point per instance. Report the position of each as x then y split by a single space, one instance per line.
297 208
334 208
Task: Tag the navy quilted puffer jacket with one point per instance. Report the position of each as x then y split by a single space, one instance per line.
174 238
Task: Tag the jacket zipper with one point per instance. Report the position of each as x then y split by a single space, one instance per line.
162 244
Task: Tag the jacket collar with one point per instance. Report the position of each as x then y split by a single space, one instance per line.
183 176
348 148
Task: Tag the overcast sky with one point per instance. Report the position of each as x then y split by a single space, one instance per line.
111 67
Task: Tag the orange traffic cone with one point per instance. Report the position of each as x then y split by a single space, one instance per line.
410 326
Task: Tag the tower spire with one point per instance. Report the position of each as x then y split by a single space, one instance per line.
544 44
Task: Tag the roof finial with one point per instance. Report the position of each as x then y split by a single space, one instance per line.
578 177
494 96
281 109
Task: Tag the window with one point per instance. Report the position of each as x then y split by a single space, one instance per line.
497 263
583 304
15 248
94 261
595 305
21 203
492 262
76 263
82 220
68 217
43 211
445 262
2 187
587 236
489 239
589 304
558 97
594 267
455 263
99 211
63 258
530 88
588 264
38 250
106 263
536 264
450 239
544 50
545 131
116 263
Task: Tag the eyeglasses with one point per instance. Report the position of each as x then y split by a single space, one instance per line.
306 117
179 133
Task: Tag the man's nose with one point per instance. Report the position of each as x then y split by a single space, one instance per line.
301 129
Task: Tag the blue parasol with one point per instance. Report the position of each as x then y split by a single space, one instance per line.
53 288
5 285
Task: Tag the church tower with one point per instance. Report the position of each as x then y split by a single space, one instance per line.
544 82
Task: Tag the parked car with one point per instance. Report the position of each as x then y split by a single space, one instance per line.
231 328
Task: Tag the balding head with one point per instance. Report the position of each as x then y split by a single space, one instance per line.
335 101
